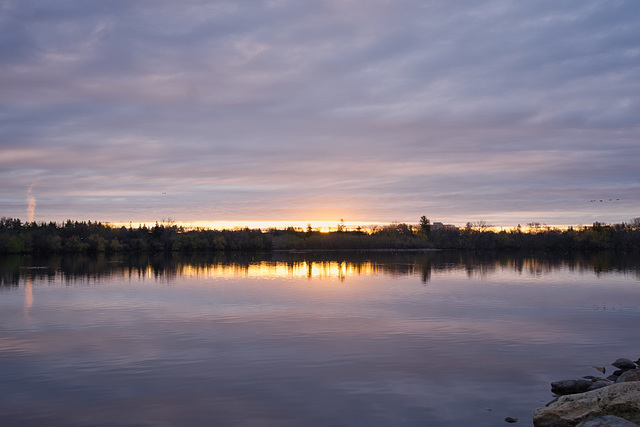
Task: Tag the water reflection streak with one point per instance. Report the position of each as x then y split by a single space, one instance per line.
319 265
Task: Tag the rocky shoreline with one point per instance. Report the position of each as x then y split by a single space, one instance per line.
594 401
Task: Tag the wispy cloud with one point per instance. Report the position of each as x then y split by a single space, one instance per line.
372 111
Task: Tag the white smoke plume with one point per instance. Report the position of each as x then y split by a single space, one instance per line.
31 207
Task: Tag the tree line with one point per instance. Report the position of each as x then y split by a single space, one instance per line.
97 237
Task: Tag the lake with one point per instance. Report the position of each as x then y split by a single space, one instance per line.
306 339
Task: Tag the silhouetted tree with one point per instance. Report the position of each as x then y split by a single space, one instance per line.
425 225
96 237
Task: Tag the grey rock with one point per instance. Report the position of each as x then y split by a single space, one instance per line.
553 401
583 385
594 379
511 420
563 387
624 364
607 421
613 377
621 400
630 375
599 384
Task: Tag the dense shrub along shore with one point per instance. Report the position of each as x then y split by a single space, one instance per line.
96 237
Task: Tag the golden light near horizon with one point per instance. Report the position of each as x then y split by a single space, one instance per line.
322 226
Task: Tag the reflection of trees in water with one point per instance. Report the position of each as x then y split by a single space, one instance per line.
486 264
84 269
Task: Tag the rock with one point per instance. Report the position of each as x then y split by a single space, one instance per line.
624 364
621 400
607 421
583 385
613 377
601 369
511 420
630 375
553 401
594 379
563 387
599 384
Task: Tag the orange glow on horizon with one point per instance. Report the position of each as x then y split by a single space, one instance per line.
321 225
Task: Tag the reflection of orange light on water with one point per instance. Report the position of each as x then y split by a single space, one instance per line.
321 271
311 270
28 293
28 296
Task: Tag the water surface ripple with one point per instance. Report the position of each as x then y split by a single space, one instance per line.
354 339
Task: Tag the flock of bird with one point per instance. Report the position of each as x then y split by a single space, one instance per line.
601 200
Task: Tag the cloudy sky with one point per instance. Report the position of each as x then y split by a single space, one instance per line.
290 110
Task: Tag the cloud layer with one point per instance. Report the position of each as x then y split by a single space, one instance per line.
287 110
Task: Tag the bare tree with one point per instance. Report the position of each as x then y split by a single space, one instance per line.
481 225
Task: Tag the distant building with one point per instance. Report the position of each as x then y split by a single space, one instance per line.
438 226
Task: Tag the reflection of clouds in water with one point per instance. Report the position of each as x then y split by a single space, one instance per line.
318 266
290 336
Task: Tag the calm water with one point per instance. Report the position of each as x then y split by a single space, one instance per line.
377 339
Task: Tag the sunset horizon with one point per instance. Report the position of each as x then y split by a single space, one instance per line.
318 213
272 111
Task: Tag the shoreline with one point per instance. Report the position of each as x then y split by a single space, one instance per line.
594 401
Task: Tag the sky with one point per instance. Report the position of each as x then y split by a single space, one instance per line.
289 111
